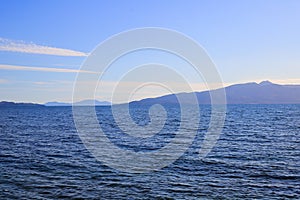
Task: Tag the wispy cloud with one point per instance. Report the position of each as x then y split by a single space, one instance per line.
43 69
25 47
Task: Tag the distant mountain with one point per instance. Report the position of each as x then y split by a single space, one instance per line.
93 102
80 103
247 93
55 103
13 104
263 93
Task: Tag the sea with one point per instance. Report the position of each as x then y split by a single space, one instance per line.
257 156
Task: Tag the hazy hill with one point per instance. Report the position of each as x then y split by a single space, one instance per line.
247 93
81 103
7 103
55 103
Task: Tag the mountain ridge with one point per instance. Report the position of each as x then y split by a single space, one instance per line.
264 92
14 104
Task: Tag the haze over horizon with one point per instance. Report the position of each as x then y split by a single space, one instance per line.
43 44
264 92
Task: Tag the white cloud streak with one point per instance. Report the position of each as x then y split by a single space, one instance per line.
43 69
25 47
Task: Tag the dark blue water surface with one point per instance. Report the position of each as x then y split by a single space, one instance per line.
256 157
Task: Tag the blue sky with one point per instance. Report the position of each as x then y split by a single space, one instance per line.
249 40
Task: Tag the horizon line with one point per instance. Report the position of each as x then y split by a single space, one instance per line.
155 96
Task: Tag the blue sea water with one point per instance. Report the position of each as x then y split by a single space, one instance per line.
256 157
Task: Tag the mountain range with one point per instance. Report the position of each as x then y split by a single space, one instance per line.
265 92
247 93
13 104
